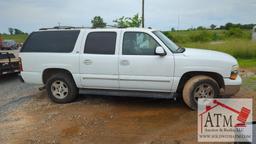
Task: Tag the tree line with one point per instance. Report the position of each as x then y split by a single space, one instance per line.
136 21
227 26
14 31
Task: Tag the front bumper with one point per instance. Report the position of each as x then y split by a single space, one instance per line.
232 87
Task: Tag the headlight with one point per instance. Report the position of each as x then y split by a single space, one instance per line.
234 72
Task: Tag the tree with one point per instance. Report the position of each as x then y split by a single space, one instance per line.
213 26
17 31
121 22
229 26
125 22
10 31
200 28
98 22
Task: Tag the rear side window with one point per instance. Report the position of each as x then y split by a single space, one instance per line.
100 43
51 41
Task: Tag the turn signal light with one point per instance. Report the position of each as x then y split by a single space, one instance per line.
233 75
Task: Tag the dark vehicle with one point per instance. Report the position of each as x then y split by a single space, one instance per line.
9 63
9 45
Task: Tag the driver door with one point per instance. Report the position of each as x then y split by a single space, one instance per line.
140 68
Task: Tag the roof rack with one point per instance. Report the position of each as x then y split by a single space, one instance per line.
72 27
63 27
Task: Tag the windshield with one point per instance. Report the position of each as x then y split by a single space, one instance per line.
171 45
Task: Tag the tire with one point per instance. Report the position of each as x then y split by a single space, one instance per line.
61 88
196 88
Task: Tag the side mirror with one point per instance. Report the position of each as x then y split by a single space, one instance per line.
160 51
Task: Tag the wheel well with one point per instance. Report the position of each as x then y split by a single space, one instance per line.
51 71
185 77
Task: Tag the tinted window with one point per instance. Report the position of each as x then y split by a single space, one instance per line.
51 41
100 43
138 43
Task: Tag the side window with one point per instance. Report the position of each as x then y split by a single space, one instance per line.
100 43
51 41
138 43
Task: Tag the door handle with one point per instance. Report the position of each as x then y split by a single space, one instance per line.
124 62
87 62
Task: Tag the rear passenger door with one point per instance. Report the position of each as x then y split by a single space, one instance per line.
99 61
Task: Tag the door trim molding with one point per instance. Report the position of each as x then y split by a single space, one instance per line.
100 77
145 80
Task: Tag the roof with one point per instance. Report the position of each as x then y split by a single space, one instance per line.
67 28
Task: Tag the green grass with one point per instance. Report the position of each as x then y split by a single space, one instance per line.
188 36
250 82
239 48
18 38
242 49
235 42
247 63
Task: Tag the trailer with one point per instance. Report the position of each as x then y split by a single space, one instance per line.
9 63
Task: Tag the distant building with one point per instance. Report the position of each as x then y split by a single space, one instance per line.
254 33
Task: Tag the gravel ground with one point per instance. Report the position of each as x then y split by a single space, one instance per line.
14 93
28 116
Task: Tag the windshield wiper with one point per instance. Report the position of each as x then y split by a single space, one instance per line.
180 50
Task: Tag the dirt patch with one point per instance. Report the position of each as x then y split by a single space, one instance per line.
95 119
99 119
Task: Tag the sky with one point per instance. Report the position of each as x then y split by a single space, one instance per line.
30 15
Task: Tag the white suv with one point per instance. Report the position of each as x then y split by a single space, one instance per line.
125 62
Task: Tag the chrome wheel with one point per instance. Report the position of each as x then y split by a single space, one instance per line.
59 89
203 91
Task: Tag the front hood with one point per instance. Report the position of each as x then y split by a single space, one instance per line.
203 61
204 54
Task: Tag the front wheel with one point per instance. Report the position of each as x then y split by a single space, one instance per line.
199 87
61 88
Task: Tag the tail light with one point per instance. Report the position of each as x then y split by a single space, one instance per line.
20 64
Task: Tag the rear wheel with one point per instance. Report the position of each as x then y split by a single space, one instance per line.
199 87
61 88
